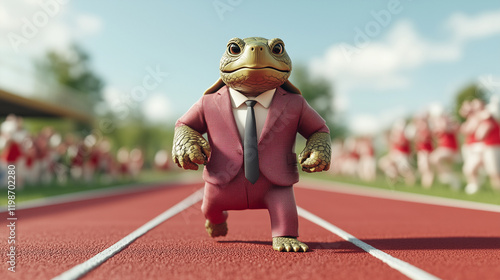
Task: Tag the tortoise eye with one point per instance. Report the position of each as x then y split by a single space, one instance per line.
278 48
234 49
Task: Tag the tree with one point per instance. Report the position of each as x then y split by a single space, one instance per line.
70 77
319 94
469 92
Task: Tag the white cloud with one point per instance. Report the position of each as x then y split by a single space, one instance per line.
56 36
464 27
386 63
112 95
88 24
30 27
381 64
364 124
490 84
157 108
6 21
340 101
12 11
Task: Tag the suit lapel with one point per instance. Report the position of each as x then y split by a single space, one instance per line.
223 102
276 109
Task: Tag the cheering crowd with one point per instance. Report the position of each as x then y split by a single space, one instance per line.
429 147
49 157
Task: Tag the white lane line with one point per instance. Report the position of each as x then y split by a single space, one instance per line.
396 195
405 268
87 195
87 266
100 193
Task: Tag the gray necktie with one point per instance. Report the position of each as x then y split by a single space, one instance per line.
250 145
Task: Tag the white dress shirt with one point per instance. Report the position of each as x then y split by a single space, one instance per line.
261 109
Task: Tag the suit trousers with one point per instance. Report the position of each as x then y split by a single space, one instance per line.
240 194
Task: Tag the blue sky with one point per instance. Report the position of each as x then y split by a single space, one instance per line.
408 54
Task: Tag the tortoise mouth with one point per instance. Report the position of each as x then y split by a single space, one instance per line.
256 68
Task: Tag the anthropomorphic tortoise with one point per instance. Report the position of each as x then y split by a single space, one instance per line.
251 116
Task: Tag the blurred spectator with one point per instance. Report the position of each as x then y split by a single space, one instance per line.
76 156
472 148
13 133
367 168
337 157
446 152
31 160
45 157
161 160
136 162
489 133
43 148
107 165
435 141
57 156
397 162
91 163
423 145
123 159
351 157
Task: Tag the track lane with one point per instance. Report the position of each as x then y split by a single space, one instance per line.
54 238
181 249
449 242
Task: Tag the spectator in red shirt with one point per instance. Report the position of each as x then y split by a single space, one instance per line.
473 148
446 152
489 133
397 162
424 148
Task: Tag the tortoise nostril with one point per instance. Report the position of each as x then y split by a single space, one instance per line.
261 48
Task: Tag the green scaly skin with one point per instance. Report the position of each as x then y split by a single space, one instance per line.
252 71
216 230
288 244
256 68
316 156
190 148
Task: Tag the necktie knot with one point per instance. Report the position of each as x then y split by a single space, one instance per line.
250 103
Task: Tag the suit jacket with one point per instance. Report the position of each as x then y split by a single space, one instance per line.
288 114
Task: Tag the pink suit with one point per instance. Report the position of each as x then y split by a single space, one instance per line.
226 187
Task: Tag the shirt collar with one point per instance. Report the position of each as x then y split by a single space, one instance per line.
264 99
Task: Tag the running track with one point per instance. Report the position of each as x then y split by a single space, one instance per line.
443 242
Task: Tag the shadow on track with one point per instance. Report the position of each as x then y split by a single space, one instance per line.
418 243
267 243
434 243
312 245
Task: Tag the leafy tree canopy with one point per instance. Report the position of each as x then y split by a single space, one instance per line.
320 95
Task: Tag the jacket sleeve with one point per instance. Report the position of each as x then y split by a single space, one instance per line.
194 118
310 121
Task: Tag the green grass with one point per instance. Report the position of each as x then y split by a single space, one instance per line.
32 192
485 195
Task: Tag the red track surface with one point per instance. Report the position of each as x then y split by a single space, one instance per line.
450 243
